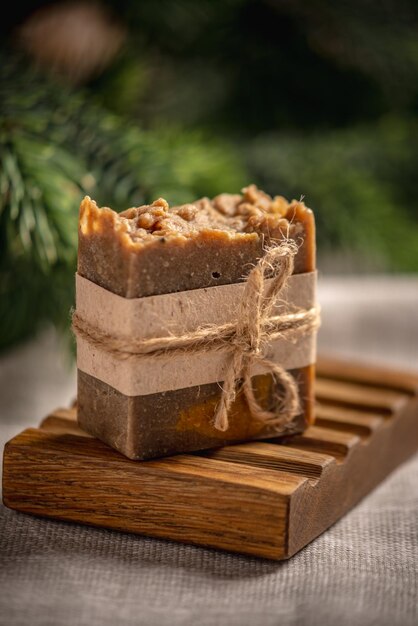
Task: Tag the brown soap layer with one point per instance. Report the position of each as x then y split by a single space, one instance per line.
155 250
162 424
208 248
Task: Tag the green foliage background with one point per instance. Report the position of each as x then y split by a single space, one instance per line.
303 97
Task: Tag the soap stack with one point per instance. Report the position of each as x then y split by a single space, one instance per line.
158 287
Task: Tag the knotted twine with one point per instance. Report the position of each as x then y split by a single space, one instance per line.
247 338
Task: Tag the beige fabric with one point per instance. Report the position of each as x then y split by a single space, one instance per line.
175 314
178 312
151 376
361 572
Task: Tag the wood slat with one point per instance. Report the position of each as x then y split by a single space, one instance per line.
369 397
336 417
273 456
325 440
357 372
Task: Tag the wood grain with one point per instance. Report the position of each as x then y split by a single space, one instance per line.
266 499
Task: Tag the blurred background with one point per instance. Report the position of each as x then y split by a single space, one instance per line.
129 100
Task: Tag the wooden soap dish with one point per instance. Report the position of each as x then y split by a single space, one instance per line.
264 499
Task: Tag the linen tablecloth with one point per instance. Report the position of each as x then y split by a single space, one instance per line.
362 571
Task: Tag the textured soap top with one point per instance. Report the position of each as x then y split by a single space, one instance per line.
230 216
157 249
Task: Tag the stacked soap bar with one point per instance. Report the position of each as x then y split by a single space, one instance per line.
154 250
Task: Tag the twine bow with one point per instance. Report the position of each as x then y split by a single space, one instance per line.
248 337
253 332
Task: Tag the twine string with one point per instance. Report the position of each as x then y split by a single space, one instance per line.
250 340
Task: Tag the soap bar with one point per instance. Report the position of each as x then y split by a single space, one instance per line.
154 250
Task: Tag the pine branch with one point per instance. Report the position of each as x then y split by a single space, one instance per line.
55 146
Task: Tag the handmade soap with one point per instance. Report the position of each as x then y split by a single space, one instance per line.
154 250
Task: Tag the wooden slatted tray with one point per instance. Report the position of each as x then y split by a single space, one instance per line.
261 498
